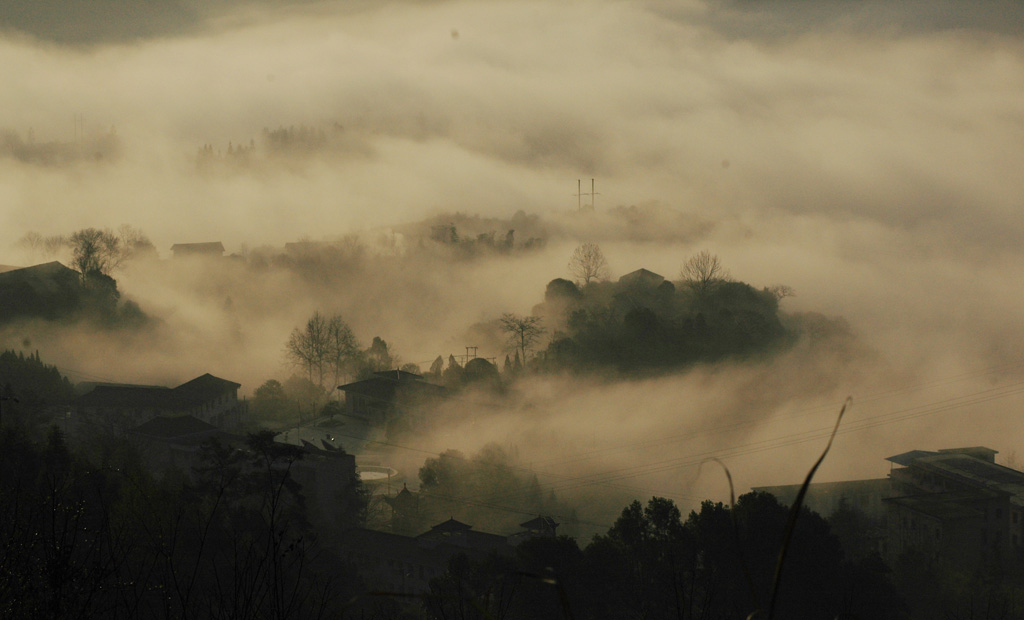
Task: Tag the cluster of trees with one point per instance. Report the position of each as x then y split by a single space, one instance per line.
30 390
289 140
468 245
325 348
718 563
480 489
644 323
101 537
102 146
93 252
327 353
300 139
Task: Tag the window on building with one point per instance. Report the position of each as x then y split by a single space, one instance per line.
999 513
1016 517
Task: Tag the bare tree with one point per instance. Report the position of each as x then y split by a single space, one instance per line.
702 271
588 263
780 291
342 347
324 348
46 247
95 251
134 243
523 331
307 348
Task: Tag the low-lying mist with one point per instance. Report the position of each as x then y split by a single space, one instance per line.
871 164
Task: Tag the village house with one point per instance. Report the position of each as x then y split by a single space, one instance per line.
48 290
405 564
212 249
116 409
388 394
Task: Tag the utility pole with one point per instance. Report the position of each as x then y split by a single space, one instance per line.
580 194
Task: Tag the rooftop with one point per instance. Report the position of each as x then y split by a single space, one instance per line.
197 391
642 275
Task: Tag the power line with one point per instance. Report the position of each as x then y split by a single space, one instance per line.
899 415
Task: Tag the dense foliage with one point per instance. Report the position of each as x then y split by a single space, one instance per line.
652 564
32 392
481 489
102 538
646 324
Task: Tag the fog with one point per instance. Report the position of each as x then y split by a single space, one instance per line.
865 154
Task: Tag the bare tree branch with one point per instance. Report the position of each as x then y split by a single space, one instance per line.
588 263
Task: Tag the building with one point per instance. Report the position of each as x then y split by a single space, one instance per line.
213 249
49 291
173 442
642 277
824 498
405 564
116 409
388 394
956 504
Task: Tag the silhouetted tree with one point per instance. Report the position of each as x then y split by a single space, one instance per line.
324 348
702 271
587 263
522 331
308 348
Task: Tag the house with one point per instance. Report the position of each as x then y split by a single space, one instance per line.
325 475
208 249
49 290
405 564
173 442
388 394
642 277
116 408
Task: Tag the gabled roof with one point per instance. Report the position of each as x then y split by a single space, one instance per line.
398 375
383 387
202 389
642 275
451 526
195 392
540 524
170 427
41 279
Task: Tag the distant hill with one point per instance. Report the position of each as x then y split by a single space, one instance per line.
52 291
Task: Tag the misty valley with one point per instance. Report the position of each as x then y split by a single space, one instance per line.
340 485
511 310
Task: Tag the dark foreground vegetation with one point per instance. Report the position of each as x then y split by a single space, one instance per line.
89 531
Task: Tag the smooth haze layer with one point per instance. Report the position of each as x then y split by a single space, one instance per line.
867 155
